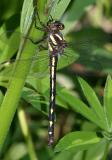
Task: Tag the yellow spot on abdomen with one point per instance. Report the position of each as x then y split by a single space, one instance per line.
57 35
53 40
50 48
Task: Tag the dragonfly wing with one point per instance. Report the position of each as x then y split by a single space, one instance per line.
91 47
40 66
69 57
84 51
9 44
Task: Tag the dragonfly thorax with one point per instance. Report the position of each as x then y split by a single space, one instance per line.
56 42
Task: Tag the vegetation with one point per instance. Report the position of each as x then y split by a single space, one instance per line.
83 129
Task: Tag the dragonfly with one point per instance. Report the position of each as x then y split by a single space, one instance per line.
59 55
56 45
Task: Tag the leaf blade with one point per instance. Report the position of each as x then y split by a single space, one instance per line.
26 16
93 101
80 107
108 102
59 8
79 140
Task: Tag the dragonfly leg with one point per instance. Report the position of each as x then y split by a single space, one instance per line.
50 18
36 41
36 15
37 27
42 47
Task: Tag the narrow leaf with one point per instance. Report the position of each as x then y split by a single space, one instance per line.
93 101
108 102
97 151
80 107
77 141
59 8
26 16
78 7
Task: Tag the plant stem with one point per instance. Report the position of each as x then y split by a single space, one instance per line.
26 133
17 81
13 93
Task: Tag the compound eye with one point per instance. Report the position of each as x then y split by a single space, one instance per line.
62 26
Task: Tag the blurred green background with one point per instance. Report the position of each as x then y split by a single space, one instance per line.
88 30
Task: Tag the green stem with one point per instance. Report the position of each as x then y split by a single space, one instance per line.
106 151
26 133
17 81
13 93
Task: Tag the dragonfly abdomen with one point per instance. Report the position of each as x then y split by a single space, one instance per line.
53 66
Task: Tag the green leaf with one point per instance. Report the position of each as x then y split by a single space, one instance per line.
33 98
75 12
80 107
78 8
60 102
1 97
59 8
66 155
79 155
93 101
96 152
26 16
77 141
14 90
20 70
10 44
69 155
108 102
10 9
13 153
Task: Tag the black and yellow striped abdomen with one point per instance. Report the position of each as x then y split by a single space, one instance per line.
53 66
55 45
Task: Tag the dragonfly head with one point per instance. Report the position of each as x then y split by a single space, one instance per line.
56 26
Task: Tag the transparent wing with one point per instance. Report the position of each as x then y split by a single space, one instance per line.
40 62
40 67
86 51
92 45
